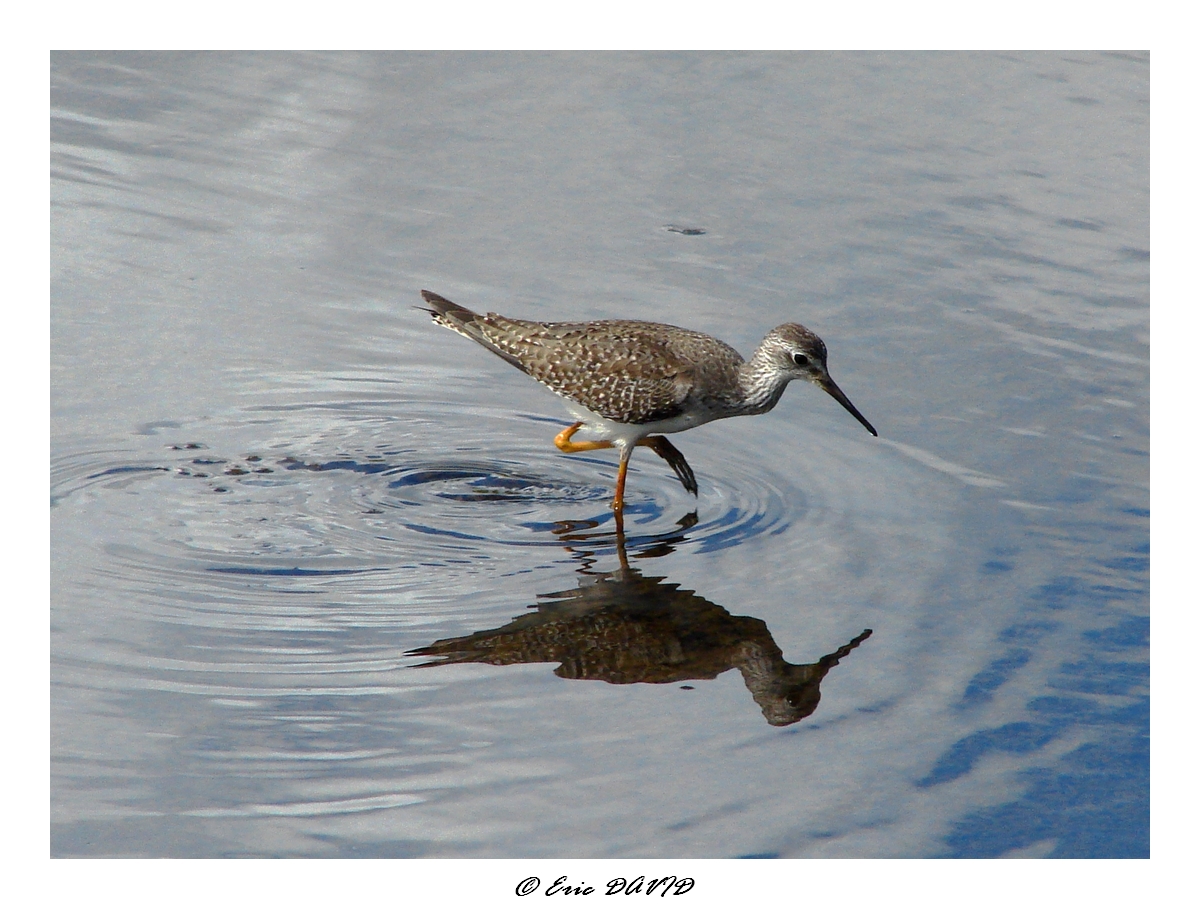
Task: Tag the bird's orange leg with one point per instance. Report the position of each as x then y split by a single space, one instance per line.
564 443
563 440
618 505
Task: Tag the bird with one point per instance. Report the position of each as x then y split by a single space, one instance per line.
628 383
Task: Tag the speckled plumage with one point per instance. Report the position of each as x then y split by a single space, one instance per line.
625 371
629 379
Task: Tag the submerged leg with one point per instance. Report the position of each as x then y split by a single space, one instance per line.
662 447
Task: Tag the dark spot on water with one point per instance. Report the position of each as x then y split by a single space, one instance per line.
119 470
1076 224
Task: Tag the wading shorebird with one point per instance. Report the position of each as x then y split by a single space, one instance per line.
625 381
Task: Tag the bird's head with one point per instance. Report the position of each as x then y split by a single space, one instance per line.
798 353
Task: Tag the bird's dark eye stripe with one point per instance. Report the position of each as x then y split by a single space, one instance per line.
799 359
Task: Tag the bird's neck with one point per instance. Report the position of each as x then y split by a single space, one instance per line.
761 383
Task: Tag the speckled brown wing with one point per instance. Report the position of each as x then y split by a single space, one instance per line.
621 370
626 371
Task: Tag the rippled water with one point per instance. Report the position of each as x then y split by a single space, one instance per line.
323 586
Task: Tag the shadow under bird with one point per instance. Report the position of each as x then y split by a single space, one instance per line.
628 382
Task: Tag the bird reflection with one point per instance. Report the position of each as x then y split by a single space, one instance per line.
623 627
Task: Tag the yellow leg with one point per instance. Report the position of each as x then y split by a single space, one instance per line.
619 498
564 443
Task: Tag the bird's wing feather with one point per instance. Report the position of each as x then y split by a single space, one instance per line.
624 370
619 370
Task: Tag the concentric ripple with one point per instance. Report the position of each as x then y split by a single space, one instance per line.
280 563
349 500
308 520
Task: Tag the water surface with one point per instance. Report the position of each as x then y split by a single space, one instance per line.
322 585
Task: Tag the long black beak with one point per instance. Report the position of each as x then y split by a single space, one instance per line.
838 395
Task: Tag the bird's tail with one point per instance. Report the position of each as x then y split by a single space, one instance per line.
446 313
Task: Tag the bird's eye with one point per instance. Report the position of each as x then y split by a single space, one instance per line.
799 359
